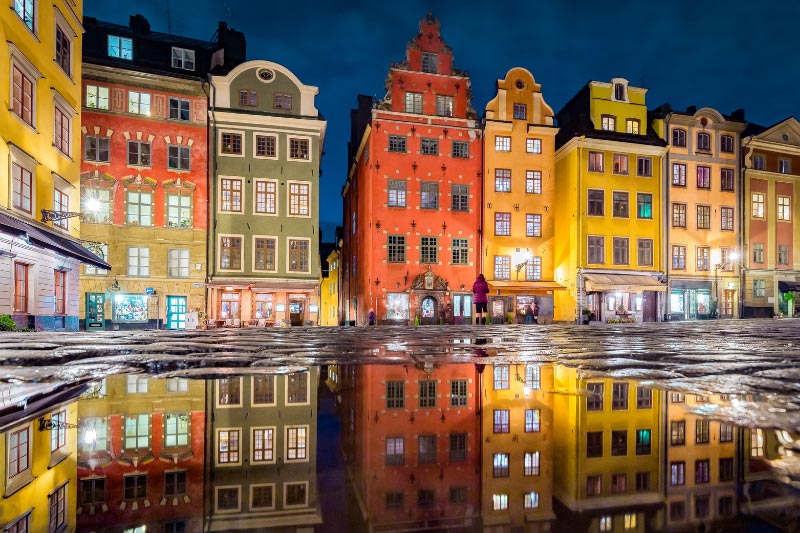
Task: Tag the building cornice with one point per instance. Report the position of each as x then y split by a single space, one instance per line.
149 80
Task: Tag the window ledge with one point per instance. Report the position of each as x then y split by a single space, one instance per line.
21 121
18 482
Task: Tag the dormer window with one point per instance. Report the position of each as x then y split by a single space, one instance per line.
248 98
704 141
619 91
120 47
282 101
182 58
609 122
430 63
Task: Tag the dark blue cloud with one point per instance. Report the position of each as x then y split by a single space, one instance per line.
712 53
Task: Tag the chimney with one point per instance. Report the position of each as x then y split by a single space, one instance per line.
233 46
692 109
139 24
738 115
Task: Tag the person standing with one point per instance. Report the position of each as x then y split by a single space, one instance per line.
480 290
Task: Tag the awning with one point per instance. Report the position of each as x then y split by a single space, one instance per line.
789 286
525 286
278 284
622 283
47 238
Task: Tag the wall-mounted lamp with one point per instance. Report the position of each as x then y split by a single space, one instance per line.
414 166
444 226
378 224
114 285
444 168
413 223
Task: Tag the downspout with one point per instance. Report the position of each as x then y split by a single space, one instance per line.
482 133
580 219
211 171
665 213
741 243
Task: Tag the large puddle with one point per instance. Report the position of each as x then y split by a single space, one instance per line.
687 427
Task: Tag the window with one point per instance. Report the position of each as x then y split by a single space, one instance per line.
502 267
726 214
230 253
460 198
461 149
394 500
533 182
499 502
227 499
678 215
96 97
621 251
96 149
701 471
677 397
533 269
139 153
532 420
677 473
678 257
596 249
63 50
703 217
520 111
458 494
182 58
502 143
783 254
297 388
619 396
458 393
594 399
644 166
619 483
229 391
174 483
397 193
533 225
644 205
677 511
176 429
608 122
444 106
296 443
784 166
299 199
26 9
533 377
139 208
178 263
18 452
726 469
61 205
231 191
92 491
178 157
177 385
679 174
427 393
596 202
501 424
703 258
61 131
620 165
757 442
263 390
397 143
228 446
429 195
606 523
726 179
460 251
179 109
703 141
594 444
500 465
138 261
426 449
502 180
531 500
394 451
137 432
533 146
703 177
429 250
458 447
502 223
429 146
120 47
266 201
645 252
594 485
726 144
632 126
298 149
232 143
136 384
414 103
758 252
759 162
784 208
595 161
282 101
725 432
619 442
620 202
138 103
501 377
642 442
678 137
248 98
135 486
397 248
760 288
266 146
702 433
430 63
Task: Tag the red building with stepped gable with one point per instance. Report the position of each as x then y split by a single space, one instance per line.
412 201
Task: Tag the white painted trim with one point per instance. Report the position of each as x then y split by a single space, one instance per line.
218 259
307 447
285 490
289 184
216 497
277 249
274 135
235 132
219 194
277 197
274 446
250 500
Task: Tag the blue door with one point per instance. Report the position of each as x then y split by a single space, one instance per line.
176 312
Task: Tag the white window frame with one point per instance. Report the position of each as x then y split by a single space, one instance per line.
288 254
180 148
276 183
233 132
19 60
285 490
180 253
62 24
219 252
289 149
140 103
274 135
533 145
34 15
274 430
121 47
139 216
306 448
289 184
216 499
140 268
217 432
277 247
219 194
259 485
180 101
25 162
185 54
308 391
502 143
219 405
25 475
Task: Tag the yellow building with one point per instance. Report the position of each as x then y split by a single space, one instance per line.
702 168
40 54
517 426
607 451
329 292
38 445
702 462
608 207
519 190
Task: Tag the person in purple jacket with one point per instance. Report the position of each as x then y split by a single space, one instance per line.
479 290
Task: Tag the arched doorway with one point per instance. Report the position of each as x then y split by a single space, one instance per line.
428 310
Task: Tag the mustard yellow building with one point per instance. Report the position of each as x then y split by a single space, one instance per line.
517 426
38 444
701 220
519 191
607 452
40 56
608 207
329 292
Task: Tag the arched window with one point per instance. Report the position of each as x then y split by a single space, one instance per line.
678 137
703 141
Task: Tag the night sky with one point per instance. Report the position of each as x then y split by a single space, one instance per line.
721 54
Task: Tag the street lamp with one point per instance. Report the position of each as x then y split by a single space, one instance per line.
521 260
92 207
722 265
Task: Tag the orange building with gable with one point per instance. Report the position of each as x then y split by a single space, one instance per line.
413 194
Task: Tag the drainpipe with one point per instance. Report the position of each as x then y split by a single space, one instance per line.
579 278
741 243
666 180
211 123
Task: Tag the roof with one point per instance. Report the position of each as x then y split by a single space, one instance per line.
50 239
127 31
583 127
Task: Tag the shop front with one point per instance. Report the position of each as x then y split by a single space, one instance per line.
134 311
789 298
262 305
690 300
428 301
514 301
620 298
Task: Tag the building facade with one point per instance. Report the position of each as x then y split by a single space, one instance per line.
519 199
329 290
701 211
40 251
413 193
771 169
608 220
266 145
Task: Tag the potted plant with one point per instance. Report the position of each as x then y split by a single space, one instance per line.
587 315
